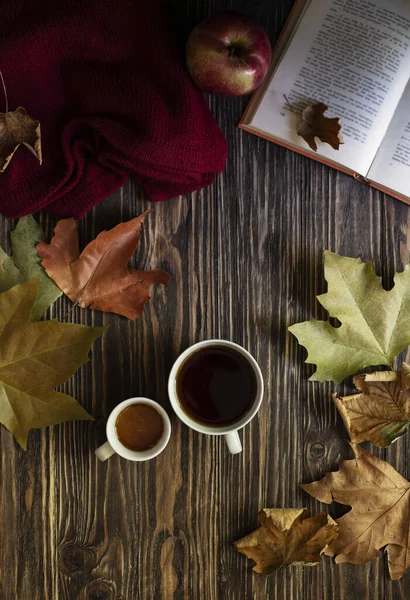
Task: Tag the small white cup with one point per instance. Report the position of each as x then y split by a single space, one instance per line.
229 431
113 444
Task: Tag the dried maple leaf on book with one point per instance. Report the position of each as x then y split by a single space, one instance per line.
35 357
380 515
381 412
98 277
287 537
314 124
374 322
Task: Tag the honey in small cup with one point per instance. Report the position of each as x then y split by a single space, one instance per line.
137 429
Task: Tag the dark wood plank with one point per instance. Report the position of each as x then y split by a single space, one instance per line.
246 260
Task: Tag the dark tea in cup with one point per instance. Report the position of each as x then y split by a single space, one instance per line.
216 385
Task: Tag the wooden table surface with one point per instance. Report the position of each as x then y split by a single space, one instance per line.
246 261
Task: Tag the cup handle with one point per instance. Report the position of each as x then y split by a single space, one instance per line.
233 442
104 451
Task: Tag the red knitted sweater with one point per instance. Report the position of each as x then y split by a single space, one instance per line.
109 86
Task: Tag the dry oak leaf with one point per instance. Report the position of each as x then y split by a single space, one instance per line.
17 127
98 277
315 124
380 515
287 537
35 357
374 322
381 412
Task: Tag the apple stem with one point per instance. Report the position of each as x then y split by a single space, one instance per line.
236 48
5 92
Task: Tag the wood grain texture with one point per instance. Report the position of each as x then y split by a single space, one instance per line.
246 260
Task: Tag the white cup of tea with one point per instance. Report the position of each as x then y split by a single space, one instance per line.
216 387
137 429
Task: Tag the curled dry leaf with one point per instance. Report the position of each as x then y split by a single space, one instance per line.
287 537
35 357
17 127
381 412
98 278
374 323
380 515
315 124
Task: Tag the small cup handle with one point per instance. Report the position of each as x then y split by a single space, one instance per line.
104 451
233 442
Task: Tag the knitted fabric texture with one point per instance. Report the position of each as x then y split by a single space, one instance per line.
108 84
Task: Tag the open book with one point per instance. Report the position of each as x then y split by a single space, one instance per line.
354 56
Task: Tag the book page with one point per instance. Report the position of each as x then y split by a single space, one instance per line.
391 167
353 55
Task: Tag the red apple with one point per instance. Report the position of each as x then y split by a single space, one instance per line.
228 54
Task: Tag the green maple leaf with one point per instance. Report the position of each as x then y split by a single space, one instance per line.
35 357
24 239
10 275
375 323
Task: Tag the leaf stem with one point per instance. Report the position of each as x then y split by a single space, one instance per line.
5 92
382 376
290 107
68 313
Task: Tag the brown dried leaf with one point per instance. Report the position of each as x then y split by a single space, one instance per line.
381 412
380 515
287 538
98 278
315 124
17 127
